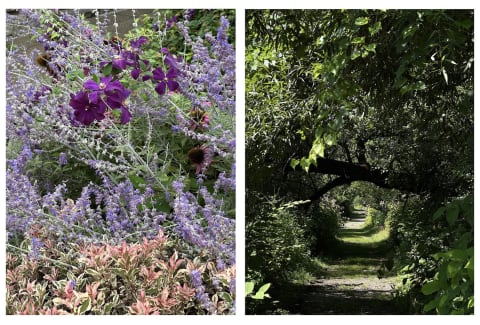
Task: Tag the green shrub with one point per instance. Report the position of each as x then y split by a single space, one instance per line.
275 241
322 224
451 289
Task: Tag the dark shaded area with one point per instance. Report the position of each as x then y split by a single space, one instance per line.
314 299
348 287
349 172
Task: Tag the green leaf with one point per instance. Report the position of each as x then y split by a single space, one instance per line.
57 301
445 75
86 306
107 70
375 28
431 305
469 264
294 163
358 40
93 273
457 254
452 213
330 139
438 213
317 70
370 47
108 308
305 164
137 181
470 302
409 31
249 287
430 287
318 147
360 21
225 296
454 268
261 293
355 54
96 78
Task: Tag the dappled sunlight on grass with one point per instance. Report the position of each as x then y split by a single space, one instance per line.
354 267
368 236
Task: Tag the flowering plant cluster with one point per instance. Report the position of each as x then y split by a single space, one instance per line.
121 165
144 278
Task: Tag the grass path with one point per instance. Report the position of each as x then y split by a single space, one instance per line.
349 283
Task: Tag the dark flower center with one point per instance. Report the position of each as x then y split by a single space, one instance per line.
196 155
197 114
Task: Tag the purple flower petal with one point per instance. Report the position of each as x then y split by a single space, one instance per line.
126 115
119 63
139 42
160 88
135 73
94 97
158 74
79 100
172 85
172 73
91 85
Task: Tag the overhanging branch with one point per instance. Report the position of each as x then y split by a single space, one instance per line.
348 172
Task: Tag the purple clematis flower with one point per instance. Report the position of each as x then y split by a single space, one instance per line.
97 97
165 80
137 44
84 111
170 60
126 115
119 62
107 92
171 21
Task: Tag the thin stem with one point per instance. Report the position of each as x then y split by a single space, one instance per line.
42 257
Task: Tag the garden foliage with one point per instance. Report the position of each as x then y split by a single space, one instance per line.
121 165
384 97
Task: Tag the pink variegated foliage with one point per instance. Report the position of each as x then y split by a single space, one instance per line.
147 278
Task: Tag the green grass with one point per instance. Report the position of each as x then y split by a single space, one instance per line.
367 240
354 267
371 237
315 269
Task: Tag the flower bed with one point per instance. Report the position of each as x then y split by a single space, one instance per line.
121 166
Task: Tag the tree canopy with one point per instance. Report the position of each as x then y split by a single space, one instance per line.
335 96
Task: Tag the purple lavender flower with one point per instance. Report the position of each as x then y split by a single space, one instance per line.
62 159
189 13
36 246
196 278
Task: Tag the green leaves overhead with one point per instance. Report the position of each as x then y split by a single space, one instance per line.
375 28
360 21
431 287
357 74
358 40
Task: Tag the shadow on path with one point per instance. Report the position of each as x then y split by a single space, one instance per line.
349 285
